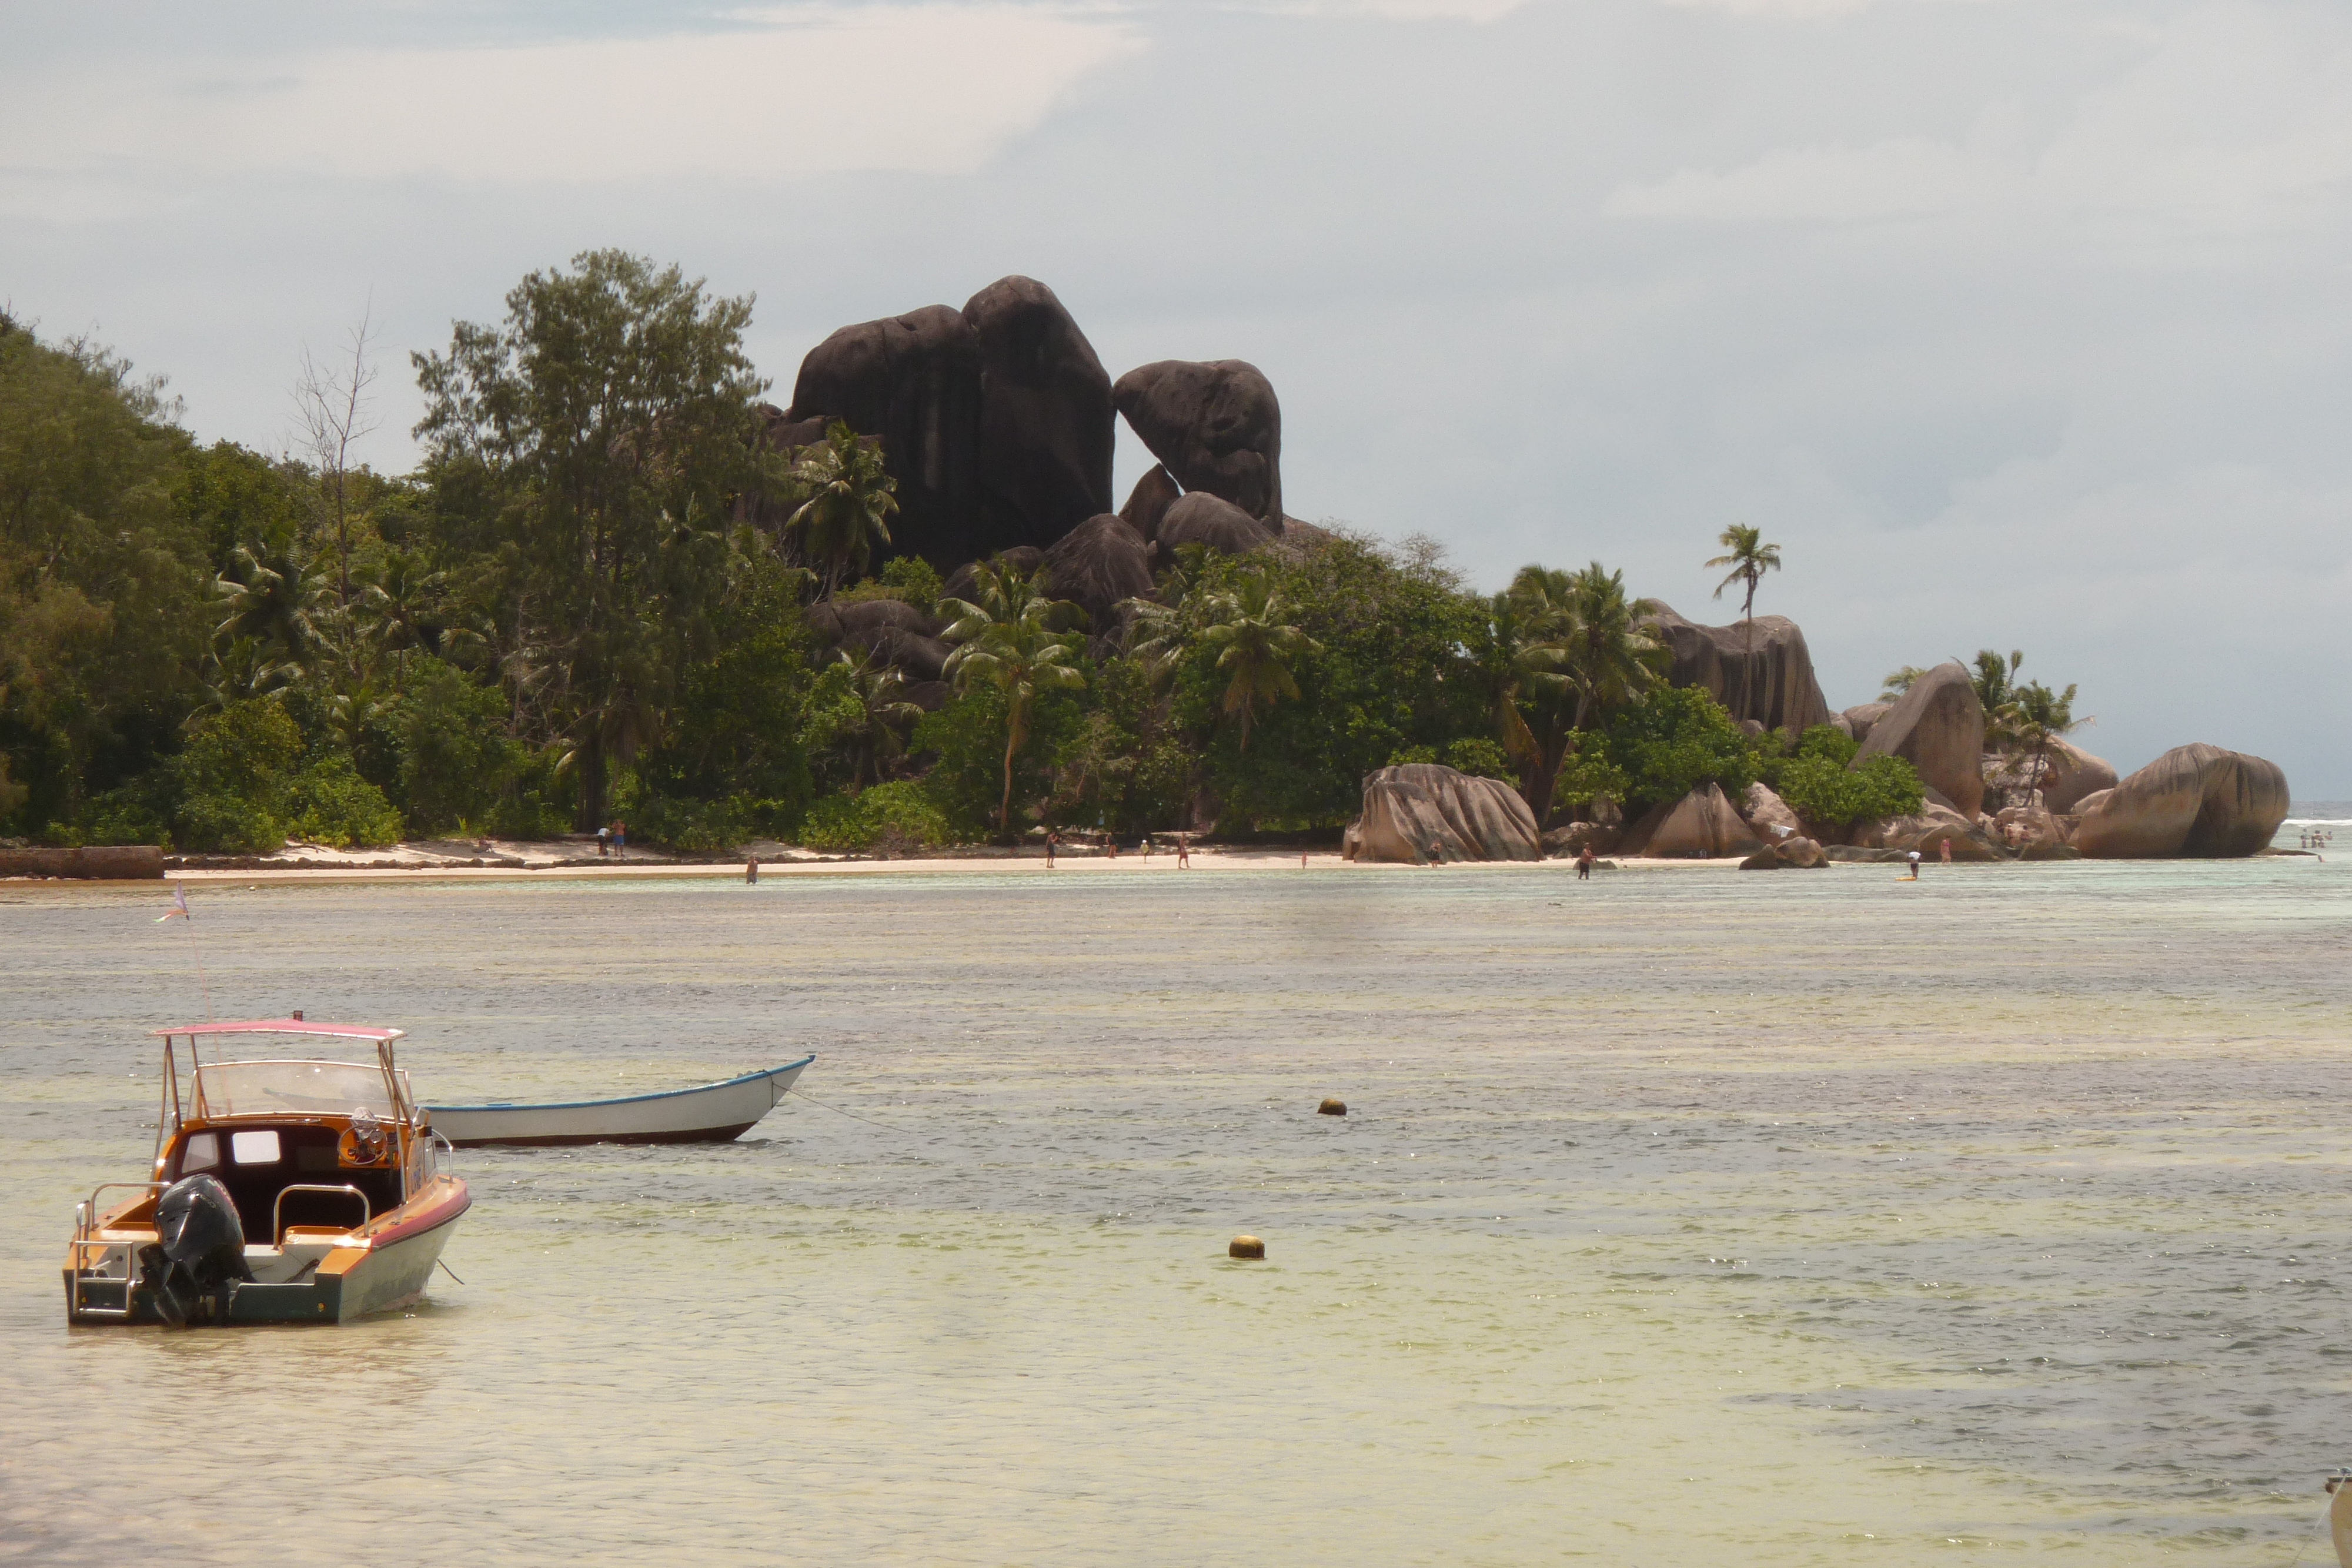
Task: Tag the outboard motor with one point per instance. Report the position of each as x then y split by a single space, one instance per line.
200 1254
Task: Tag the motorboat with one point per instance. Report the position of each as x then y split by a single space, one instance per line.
284 1190
708 1114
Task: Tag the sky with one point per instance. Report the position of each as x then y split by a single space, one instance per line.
2016 323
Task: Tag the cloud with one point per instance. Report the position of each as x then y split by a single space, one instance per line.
933 88
2228 120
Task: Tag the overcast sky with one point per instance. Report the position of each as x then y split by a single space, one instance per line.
2016 324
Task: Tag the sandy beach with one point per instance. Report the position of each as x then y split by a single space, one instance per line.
785 862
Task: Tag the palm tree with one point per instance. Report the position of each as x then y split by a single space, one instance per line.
399 592
1020 654
1256 647
1749 557
875 737
1528 625
1996 688
1607 654
1609 651
2035 715
851 495
274 600
1159 631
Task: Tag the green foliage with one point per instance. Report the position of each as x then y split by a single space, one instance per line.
1023 654
909 579
851 495
1113 760
892 818
231 776
1389 670
102 578
456 759
1481 757
1821 784
1673 741
693 827
743 728
599 439
329 803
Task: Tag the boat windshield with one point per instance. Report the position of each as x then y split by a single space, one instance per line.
296 1088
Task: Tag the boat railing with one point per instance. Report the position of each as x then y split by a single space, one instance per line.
429 1155
87 1222
277 1208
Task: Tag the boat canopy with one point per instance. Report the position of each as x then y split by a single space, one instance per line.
284 1026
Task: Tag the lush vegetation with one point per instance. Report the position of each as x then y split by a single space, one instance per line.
594 600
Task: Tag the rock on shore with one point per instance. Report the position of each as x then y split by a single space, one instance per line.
2068 774
1215 425
1418 812
1702 825
1762 672
2196 802
995 419
1937 726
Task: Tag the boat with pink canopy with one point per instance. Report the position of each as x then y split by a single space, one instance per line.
284 1188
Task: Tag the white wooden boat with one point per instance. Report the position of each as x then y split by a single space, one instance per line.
710 1114
282 1191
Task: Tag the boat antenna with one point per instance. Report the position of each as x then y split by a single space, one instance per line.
180 909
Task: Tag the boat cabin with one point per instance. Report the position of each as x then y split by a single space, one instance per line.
331 1166
298 1143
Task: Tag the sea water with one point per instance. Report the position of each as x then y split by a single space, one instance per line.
1678 1218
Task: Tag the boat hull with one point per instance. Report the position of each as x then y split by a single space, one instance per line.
710 1114
381 1266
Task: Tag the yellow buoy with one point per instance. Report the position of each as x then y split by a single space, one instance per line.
1332 1108
1246 1246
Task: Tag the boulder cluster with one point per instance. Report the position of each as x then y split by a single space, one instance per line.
997 423
2194 802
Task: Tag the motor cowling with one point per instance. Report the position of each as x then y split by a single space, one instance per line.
199 1251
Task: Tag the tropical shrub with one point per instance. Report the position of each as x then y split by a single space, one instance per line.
894 818
1671 742
1820 785
456 759
329 803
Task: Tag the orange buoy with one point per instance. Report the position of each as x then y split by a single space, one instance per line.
1332 1108
1246 1246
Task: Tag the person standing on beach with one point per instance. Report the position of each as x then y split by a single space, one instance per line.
1053 838
1183 853
1946 847
751 871
1915 866
619 839
1584 862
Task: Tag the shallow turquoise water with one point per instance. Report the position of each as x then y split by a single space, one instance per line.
1682 1217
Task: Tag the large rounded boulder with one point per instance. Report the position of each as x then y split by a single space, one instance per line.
1417 814
1099 565
1201 518
1760 670
1937 726
2068 774
1148 502
1702 825
1215 425
995 419
2197 801
886 630
1045 420
913 381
